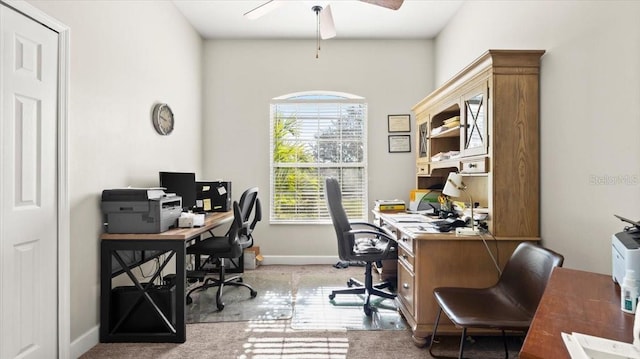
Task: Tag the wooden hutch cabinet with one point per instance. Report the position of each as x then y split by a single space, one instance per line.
483 123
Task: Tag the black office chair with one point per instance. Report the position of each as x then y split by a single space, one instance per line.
248 202
366 243
508 305
229 247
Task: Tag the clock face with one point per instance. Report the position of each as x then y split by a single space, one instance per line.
162 118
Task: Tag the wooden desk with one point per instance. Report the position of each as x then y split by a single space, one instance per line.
576 301
430 260
173 242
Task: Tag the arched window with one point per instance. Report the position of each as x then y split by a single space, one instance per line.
315 135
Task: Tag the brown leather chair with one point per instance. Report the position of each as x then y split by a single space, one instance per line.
508 305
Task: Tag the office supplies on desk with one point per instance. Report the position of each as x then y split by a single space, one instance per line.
424 201
188 220
132 210
390 205
448 224
453 187
408 218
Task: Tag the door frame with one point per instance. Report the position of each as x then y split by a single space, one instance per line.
64 254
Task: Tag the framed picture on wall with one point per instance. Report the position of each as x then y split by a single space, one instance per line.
399 123
399 143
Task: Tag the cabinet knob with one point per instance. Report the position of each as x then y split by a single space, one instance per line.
473 165
405 285
404 256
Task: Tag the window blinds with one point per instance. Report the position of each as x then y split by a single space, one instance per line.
313 138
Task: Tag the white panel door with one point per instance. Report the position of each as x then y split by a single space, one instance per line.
28 189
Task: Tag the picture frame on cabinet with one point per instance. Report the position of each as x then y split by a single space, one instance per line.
399 123
399 143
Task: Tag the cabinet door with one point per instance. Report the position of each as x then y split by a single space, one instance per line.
422 160
473 139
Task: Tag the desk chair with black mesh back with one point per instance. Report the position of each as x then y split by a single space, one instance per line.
508 305
229 246
248 202
366 242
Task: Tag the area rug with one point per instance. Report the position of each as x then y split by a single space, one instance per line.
314 311
273 302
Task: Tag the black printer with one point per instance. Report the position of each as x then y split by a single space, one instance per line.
130 210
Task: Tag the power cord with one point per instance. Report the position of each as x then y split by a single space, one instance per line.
495 240
156 266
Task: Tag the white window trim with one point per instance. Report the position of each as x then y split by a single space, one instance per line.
345 98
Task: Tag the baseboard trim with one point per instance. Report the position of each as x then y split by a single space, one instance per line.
299 260
85 342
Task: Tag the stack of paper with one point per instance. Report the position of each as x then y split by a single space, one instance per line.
582 346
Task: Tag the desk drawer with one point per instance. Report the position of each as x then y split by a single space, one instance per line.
475 166
406 291
407 257
405 242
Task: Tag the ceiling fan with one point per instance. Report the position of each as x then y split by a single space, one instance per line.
326 27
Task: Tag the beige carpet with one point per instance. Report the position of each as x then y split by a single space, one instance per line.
271 339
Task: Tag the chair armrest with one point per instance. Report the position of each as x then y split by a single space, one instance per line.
389 242
379 234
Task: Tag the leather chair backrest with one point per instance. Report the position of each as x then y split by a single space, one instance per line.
339 218
526 274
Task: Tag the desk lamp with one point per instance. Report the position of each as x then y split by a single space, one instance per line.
452 188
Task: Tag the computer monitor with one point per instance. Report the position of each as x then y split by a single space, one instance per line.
182 184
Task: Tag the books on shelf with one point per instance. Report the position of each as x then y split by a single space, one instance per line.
452 122
390 205
441 156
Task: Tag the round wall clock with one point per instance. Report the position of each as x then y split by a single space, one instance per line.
162 118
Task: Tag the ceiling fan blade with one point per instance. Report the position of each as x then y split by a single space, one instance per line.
389 4
263 9
327 27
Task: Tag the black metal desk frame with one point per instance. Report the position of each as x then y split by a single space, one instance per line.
173 248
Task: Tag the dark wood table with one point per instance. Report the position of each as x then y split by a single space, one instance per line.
576 301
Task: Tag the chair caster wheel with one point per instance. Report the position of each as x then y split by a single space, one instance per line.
240 280
189 300
331 296
220 306
367 310
253 294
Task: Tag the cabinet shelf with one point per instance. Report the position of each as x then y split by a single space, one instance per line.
452 132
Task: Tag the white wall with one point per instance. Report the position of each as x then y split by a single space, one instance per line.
241 77
125 55
590 110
